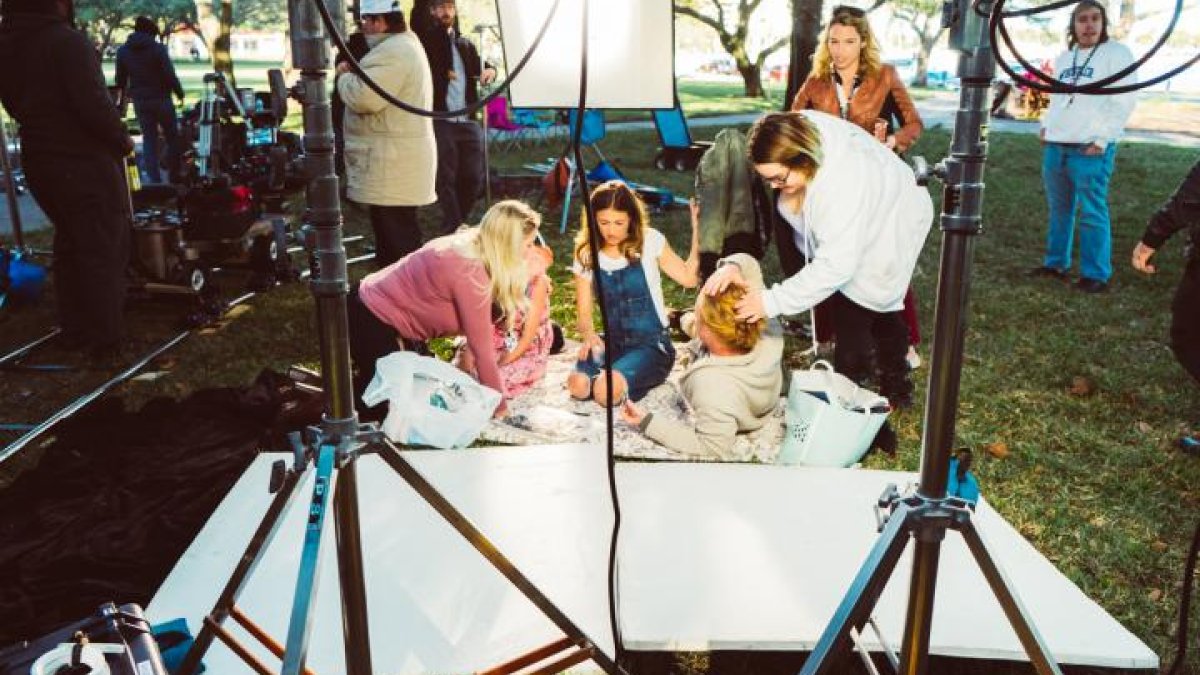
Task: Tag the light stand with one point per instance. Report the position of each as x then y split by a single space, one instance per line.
926 515
334 447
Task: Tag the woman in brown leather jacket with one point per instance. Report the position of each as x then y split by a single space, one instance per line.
850 80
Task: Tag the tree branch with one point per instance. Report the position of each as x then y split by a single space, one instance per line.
771 48
702 18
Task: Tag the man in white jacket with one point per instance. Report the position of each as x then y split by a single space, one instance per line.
1079 134
391 157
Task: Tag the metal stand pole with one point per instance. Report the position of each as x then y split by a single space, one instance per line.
10 187
927 515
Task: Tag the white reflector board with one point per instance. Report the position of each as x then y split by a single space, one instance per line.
712 556
631 53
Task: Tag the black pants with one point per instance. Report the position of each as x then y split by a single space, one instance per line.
370 340
86 200
396 232
861 332
460 170
1185 318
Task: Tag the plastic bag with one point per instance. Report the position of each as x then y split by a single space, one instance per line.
431 402
830 419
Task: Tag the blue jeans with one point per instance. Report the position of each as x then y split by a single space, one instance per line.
1075 181
154 116
460 170
644 367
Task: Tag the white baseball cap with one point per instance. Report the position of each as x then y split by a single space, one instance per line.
378 6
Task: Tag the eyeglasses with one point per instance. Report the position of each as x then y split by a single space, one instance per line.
777 182
847 10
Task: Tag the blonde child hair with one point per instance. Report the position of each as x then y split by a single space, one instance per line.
618 196
719 314
499 242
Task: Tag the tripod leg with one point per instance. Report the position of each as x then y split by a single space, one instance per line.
1018 617
310 566
488 550
350 571
860 599
245 568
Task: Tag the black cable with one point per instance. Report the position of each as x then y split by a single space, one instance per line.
594 252
1185 605
327 20
1050 84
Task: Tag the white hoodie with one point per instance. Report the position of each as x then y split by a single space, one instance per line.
865 218
1090 118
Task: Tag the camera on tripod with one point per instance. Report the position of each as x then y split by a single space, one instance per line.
229 208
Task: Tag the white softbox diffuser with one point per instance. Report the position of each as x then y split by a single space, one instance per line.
631 53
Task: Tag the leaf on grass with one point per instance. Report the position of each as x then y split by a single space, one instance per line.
1159 546
1098 521
999 449
1143 427
1081 386
1155 594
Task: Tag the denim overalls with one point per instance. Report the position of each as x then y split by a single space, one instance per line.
642 349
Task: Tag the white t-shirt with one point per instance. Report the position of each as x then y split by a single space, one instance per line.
652 247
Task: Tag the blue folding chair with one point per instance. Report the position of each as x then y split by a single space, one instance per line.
592 133
678 151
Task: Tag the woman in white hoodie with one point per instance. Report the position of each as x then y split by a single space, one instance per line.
860 219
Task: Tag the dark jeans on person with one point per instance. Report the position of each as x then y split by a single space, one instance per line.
460 170
1185 318
370 340
155 116
861 331
396 232
86 199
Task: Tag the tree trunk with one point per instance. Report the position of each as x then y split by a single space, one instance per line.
222 58
921 79
806 31
751 79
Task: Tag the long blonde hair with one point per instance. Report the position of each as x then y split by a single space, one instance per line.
499 242
869 59
618 196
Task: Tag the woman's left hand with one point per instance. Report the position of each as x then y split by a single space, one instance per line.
891 142
724 277
751 308
694 207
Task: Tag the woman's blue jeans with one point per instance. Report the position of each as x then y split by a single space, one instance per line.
1078 182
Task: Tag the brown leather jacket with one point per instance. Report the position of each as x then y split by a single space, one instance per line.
880 96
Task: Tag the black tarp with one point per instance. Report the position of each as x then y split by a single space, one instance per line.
118 496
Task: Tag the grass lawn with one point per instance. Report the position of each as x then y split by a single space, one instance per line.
1089 477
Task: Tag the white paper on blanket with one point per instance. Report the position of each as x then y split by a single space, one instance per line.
831 421
431 402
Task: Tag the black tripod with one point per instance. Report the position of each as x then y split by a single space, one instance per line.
334 448
927 515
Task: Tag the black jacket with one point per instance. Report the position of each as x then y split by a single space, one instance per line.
52 85
437 44
1181 210
145 71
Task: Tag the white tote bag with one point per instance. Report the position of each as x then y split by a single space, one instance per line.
831 421
431 402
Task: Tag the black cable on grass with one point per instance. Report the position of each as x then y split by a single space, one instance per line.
1185 606
327 20
594 250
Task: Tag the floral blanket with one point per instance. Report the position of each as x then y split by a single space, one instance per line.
547 414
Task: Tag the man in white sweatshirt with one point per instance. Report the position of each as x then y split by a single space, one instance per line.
1079 134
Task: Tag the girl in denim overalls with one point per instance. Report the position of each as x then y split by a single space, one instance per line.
632 255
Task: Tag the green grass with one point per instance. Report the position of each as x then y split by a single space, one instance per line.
1091 481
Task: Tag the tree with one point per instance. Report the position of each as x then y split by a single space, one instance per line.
924 17
806 31
216 29
716 14
99 19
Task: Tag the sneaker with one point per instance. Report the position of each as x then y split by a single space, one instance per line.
1086 285
1049 273
912 358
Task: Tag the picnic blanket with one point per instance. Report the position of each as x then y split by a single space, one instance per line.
547 414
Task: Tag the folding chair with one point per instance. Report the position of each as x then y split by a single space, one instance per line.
502 129
592 133
678 150
536 125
